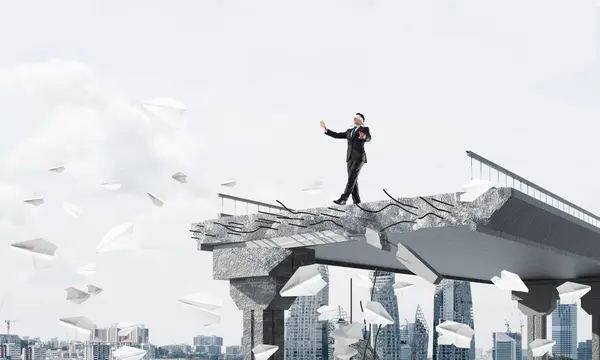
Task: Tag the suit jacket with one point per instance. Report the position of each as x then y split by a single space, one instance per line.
356 146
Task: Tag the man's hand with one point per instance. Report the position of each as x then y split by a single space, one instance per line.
323 125
361 135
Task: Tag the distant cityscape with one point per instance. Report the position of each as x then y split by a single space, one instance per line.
308 338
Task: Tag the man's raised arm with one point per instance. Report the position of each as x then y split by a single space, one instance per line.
333 134
365 134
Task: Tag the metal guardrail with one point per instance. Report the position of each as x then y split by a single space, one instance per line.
247 202
520 183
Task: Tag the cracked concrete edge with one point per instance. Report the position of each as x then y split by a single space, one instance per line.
354 220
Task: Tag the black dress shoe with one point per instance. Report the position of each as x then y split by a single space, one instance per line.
340 201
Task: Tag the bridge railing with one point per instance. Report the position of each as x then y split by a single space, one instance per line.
234 205
484 169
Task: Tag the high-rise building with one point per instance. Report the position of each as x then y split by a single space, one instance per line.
453 302
564 330
505 347
518 337
584 350
419 336
405 334
33 352
233 352
210 345
389 346
97 350
306 338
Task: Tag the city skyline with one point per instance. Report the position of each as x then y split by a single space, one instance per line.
254 93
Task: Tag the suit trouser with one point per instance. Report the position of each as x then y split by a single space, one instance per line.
353 167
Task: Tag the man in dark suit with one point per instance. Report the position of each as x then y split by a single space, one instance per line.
356 157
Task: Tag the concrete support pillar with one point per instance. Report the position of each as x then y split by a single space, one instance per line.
590 303
537 304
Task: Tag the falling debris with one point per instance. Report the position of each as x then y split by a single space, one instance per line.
76 296
128 353
374 313
181 177
125 328
111 185
570 292
35 201
453 333
314 187
348 334
509 281
306 281
72 210
158 202
344 353
400 286
541 347
168 110
205 307
87 269
264 352
229 184
93 290
58 168
474 189
372 238
80 323
118 238
39 247
416 265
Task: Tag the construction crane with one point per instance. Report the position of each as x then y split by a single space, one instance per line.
507 325
8 322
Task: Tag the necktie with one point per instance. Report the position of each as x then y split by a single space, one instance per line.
353 131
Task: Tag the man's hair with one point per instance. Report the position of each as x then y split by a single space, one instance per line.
362 116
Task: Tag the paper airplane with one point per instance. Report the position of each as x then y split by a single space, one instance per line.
306 281
348 334
205 307
362 280
541 347
374 313
570 292
80 323
453 333
168 110
93 290
72 210
474 189
128 353
314 187
413 262
372 238
125 328
76 296
181 177
111 185
509 281
264 352
39 247
87 270
327 312
35 201
58 168
400 286
230 183
118 238
158 202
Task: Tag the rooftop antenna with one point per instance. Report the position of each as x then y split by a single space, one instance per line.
8 322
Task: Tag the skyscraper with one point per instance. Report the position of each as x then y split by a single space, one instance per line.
97 350
452 301
419 337
405 334
518 343
389 346
564 330
505 347
306 338
584 350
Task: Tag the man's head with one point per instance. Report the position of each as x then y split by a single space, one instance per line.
359 119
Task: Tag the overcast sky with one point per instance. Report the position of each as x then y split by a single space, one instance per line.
514 81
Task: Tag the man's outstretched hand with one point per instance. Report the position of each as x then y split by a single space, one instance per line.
323 125
361 135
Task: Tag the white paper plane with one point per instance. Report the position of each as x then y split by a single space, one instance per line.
400 286
58 168
128 353
87 269
158 202
348 334
314 187
541 347
372 238
306 281
362 280
509 281
327 312
93 290
453 333
374 313
570 292
414 263
80 323
39 247
72 210
473 189
181 177
35 201
230 183
76 296
111 185
125 328
118 238
168 110
264 352
204 307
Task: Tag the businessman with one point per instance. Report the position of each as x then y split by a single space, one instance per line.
356 157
